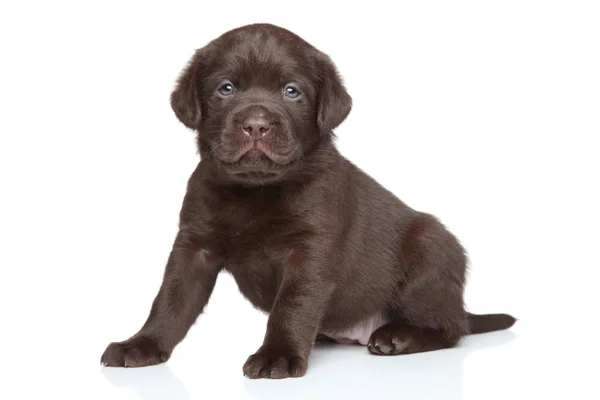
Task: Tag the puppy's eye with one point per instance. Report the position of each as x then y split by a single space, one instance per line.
226 89
291 91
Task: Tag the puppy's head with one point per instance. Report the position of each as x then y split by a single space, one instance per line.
261 99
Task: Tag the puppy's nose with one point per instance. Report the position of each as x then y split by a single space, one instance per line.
256 127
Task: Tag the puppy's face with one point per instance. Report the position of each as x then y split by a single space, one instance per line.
261 99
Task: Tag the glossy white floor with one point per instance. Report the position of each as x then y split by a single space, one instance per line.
495 366
482 113
59 358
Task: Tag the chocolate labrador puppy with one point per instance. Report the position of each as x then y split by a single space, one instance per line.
308 236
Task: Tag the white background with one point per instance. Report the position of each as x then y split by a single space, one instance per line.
486 114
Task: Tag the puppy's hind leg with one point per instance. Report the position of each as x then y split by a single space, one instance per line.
427 313
402 337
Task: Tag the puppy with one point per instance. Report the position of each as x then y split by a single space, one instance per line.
309 238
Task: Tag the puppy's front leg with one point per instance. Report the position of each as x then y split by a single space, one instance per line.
188 281
292 324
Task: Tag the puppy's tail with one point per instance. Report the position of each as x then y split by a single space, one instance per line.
490 322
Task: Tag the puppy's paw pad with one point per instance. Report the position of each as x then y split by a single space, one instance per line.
136 352
274 364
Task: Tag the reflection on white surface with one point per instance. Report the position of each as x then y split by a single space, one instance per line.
156 382
351 372
335 371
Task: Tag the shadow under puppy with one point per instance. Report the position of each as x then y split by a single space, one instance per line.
308 237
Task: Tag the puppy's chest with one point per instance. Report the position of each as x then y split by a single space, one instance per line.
256 250
258 275
261 242
253 229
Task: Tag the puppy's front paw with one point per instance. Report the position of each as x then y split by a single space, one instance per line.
135 352
275 364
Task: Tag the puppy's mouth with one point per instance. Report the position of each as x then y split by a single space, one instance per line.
256 160
251 165
254 163
255 151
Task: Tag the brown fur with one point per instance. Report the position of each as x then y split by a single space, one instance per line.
309 237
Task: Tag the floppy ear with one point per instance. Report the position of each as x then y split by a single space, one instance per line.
185 99
334 102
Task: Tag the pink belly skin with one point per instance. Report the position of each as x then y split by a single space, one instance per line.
359 333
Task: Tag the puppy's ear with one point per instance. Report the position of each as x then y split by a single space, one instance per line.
334 102
185 99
